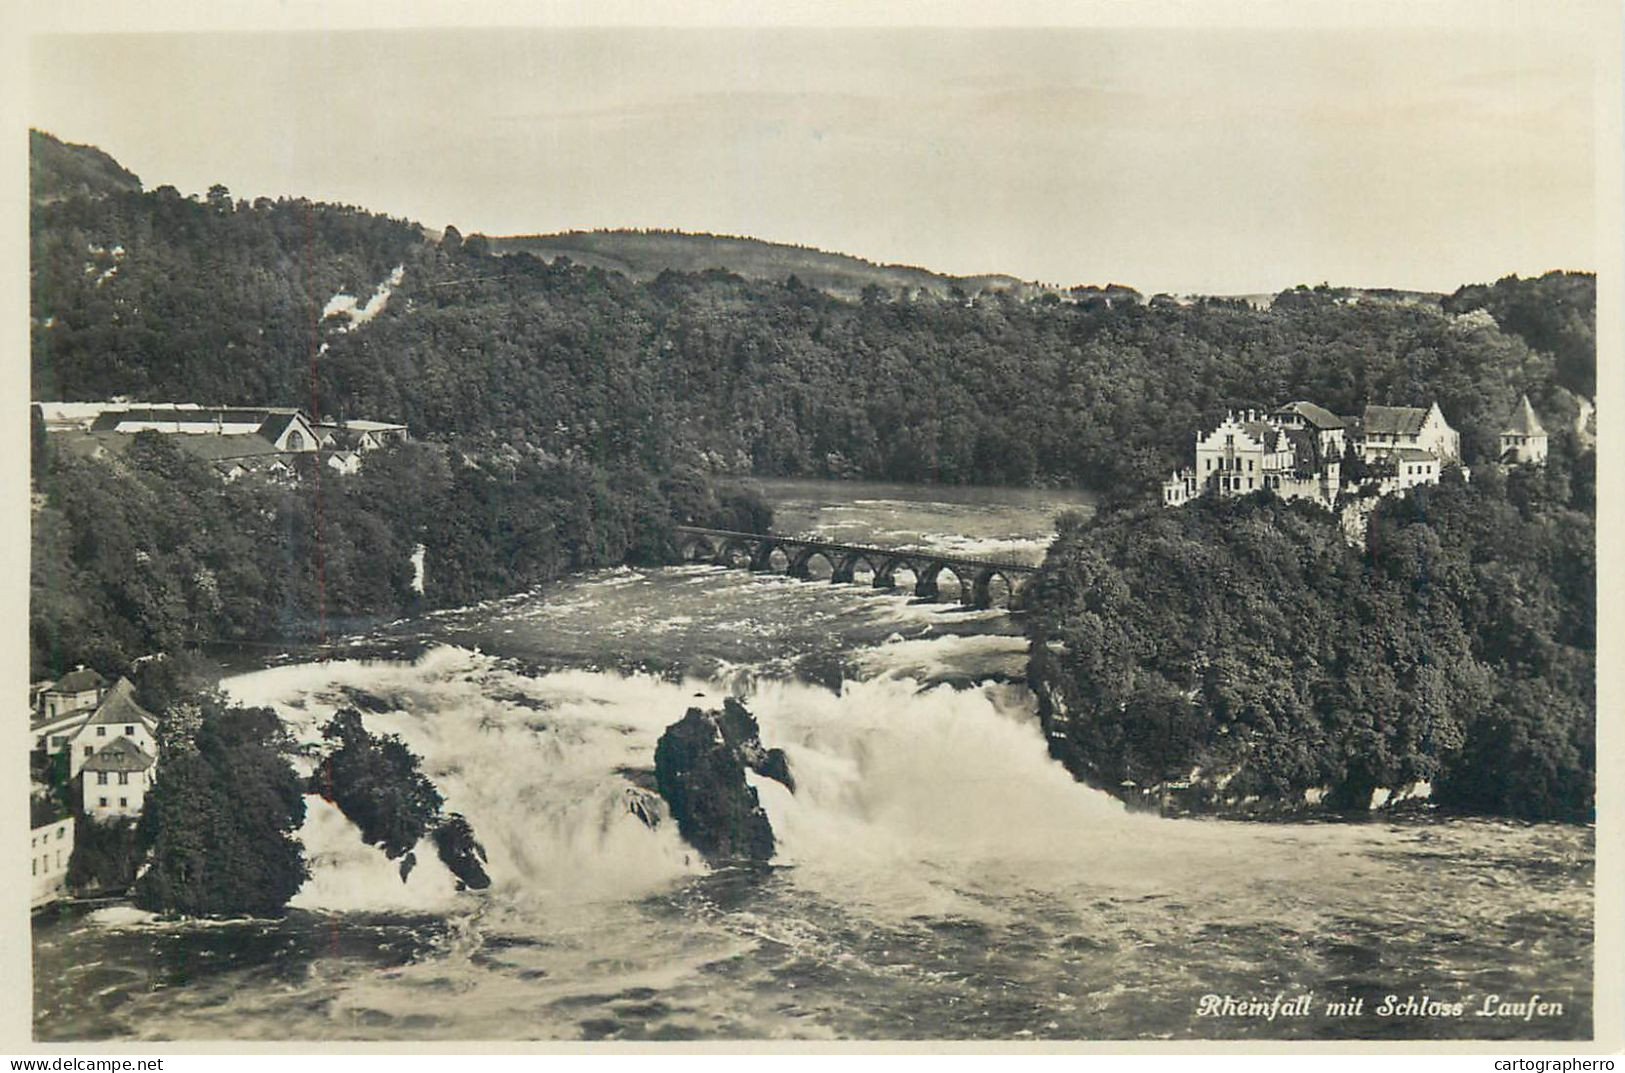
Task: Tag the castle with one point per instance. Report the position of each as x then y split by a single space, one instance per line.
1300 451
1523 440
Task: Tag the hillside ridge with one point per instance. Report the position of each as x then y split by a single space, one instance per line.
642 254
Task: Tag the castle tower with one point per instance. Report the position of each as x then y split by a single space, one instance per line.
1523 440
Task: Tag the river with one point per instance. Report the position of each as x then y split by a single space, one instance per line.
938 877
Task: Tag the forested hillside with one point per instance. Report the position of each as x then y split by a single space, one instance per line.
568 416
152 552
643 255
160 297
1556 314
58 170
1245 646
221 301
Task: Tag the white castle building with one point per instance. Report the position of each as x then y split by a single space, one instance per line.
1523 440
1297 452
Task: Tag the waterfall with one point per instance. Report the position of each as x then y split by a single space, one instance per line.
896 785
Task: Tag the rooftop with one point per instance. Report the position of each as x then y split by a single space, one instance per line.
1268 435
61 719
1394 420
120 754
363 426
111 419
1524 421
1315 416
222 448
79 680
119 706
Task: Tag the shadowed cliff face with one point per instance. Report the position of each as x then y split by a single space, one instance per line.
377 782
700 764
461 852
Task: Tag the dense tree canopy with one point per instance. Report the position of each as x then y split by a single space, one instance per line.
1556 313
151 552
221 818
156 296
1247 642
568 416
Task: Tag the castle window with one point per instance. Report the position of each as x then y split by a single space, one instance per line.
101 732
124 778
101 802
101 778
129 731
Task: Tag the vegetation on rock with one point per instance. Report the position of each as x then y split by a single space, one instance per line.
1243 646
700 764
461 852
221 819
378 782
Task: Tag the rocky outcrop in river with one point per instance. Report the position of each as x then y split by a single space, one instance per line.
377 782
700 765
461 852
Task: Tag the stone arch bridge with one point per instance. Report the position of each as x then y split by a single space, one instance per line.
982 582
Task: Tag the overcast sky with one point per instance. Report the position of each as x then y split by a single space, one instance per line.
1218 161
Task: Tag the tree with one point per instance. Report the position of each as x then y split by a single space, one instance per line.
220 821
1246 638
377 783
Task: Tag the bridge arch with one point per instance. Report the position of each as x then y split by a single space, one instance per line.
736 553
803 565
772 557
993 588
886 576
696 548
856 568
930 585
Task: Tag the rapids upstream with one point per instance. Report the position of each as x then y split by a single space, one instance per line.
938 876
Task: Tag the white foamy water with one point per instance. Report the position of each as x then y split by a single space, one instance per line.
907 796
937 875
544 768
532 762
